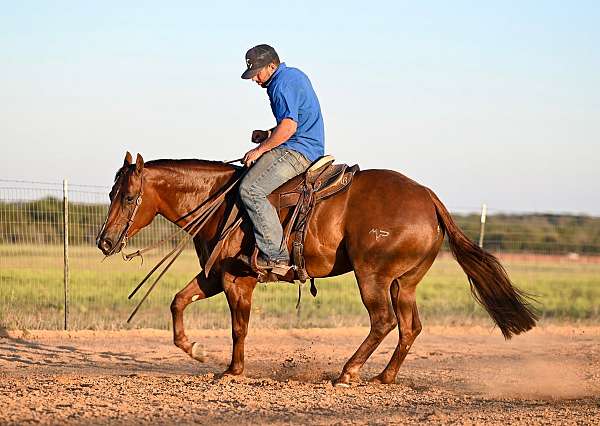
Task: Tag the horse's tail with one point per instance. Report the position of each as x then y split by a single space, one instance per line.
509 307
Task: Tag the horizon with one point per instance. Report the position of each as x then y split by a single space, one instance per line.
81 193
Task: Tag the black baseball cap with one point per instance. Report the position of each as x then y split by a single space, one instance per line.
258 57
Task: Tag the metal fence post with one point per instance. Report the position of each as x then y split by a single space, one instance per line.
482 229
66 249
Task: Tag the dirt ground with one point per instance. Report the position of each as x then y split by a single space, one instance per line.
464 375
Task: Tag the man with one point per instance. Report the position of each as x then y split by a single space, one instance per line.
284 151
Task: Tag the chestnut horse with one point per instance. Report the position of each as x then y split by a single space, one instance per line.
386 228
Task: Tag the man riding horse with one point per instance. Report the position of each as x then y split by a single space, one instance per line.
284 151
385 227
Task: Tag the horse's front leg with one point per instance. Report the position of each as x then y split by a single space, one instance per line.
198 288
239 297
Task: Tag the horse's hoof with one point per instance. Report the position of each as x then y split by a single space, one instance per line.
198 352
379 380
232 372
376 380
344 380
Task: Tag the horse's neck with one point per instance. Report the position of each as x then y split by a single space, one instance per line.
181 190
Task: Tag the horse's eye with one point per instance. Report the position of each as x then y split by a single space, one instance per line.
129 199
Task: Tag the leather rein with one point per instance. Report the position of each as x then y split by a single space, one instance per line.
202 215
123 238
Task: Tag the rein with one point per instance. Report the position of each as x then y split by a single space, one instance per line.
202 214
140 252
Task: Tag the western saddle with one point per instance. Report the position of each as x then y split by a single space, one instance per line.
322 180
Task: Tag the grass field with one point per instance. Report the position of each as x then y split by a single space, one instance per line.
31 293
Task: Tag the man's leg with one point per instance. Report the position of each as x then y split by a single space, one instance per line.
270 171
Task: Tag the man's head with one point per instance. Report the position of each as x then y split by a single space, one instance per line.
261 63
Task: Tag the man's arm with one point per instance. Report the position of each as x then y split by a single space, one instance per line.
280 134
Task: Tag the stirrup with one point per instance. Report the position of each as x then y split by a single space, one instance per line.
271 267
281 270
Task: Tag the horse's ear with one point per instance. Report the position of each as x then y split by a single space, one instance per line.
128 159
139 164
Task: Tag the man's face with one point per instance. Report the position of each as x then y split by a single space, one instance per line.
264 74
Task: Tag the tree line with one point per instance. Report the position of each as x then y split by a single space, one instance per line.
41 222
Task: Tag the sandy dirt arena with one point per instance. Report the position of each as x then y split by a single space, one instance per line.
463 375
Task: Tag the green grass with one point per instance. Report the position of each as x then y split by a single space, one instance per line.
31 293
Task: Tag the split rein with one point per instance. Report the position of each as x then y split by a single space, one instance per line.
123 239
202 214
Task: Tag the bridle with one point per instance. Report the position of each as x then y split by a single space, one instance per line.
200 217
124 237
121 242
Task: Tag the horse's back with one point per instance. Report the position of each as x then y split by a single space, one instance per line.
390 193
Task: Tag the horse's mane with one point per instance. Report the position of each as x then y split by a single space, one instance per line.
184 164
191 163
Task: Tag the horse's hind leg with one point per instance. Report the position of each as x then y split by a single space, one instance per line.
409 324
375 294
198 288
409 327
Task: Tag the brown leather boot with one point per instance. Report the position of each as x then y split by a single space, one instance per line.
278 267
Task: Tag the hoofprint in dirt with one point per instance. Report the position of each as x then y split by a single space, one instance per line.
452 374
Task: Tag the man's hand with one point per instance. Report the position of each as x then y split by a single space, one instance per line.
284 130
259 136
252 155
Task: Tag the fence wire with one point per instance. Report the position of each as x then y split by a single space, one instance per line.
31 268
31 272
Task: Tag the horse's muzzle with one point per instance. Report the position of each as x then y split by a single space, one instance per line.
106 246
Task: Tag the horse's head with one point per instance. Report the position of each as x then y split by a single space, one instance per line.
130 207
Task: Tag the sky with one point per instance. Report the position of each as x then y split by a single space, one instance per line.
484 102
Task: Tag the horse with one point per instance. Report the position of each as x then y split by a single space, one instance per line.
386 228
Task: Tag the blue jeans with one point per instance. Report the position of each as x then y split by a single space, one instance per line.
270 171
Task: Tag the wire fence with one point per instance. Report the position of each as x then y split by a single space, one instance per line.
32 266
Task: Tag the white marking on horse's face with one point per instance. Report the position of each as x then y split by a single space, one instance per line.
195 297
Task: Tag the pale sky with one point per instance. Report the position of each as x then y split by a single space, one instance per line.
483 102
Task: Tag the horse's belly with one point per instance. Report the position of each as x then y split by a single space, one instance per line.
324 249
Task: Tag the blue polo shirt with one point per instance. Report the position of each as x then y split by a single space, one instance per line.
292 96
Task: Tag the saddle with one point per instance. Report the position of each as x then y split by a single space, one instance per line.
322 180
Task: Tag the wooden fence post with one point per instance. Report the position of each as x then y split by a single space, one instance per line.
66 250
